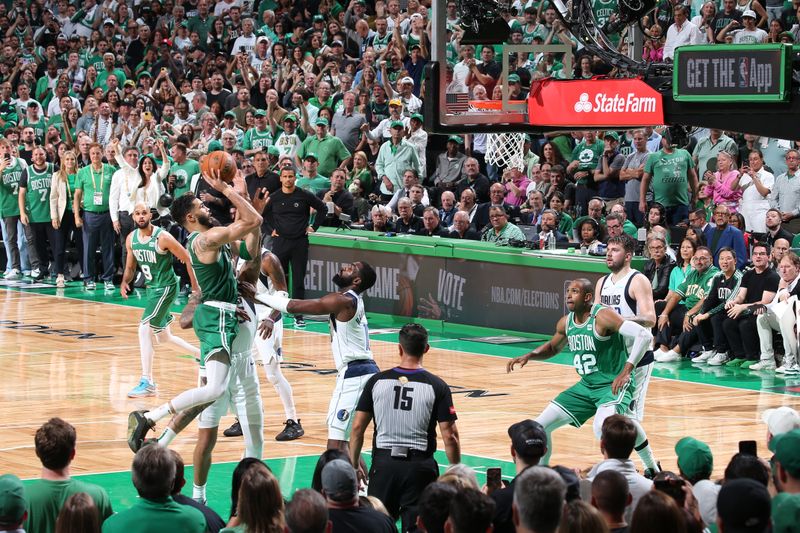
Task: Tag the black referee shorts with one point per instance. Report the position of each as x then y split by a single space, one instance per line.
399 482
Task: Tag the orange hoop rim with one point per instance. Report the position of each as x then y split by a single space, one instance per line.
493 105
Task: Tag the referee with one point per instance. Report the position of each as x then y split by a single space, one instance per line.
288 212
407 403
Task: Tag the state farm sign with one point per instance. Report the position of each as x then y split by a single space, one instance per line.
596 103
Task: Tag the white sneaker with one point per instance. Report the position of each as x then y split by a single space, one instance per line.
35 273
704 356
718 359
13 274
764 364
791 370
669 356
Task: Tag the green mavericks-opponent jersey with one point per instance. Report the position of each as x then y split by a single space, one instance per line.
9 188
217 280
155 263
597 359
37 192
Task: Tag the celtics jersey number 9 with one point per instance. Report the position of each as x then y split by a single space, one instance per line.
155 263
597 359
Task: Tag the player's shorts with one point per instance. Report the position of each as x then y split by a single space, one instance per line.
349 384
157 308
269 349
580 402
641 377
215 325
243 396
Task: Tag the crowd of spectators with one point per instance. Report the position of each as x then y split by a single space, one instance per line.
754 494
106 104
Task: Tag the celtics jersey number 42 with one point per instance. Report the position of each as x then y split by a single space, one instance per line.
597 359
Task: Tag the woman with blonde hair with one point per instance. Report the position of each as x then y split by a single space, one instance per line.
62 213
361 171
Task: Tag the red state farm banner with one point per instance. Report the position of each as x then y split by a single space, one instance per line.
596 102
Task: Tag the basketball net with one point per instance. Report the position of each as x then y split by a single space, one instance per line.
505 150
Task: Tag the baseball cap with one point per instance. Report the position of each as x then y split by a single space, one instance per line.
273 150
129 83
108 21
322 121
789 35
214 145
456 139
339 480
397 124
290 116
413 46
311 155
528 439
417 116
260 113
407 79
781 420
318 18
230 114
694 457
396 101
513 78
744 506
785 512
337 43
144 74
263 38
613 134
786 448
749 13
12 499
416 16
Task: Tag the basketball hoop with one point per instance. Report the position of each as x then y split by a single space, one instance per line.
505 150
502 149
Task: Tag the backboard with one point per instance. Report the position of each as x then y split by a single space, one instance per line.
468 86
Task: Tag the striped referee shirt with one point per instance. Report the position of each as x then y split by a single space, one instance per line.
406 406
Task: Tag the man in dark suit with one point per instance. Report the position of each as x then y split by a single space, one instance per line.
497 194
473 179
462 229
550 225
725 235
432 224
775 229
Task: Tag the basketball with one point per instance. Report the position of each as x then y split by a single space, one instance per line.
219 160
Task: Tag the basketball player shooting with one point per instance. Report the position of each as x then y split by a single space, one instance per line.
349 342
596 337
152 249
215 322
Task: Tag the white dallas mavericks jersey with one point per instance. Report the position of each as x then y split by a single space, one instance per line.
615 294
243 342
350 340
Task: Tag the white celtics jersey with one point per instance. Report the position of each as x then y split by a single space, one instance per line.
615 294
287 144
264 286
350 340
243 343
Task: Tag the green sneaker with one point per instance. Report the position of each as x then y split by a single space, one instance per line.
748 364
735 363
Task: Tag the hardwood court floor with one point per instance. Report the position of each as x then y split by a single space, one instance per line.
77 358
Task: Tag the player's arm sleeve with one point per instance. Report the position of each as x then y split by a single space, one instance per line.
365 403
444 410
641 340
